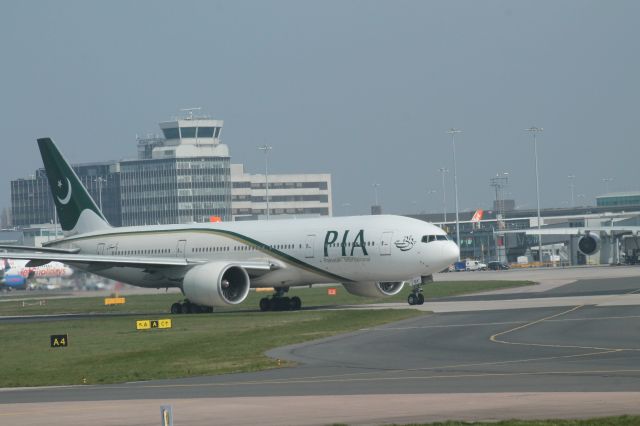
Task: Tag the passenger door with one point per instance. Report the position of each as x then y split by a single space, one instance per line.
385 243
309 246
181 248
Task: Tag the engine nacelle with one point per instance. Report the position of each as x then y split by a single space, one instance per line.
216 284
589 244
374 289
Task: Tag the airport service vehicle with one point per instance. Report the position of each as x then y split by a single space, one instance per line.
16 275
215 264
474 265
469 265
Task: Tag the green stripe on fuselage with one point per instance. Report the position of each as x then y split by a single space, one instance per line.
265 248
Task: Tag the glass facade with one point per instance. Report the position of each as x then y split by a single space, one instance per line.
618 200
31 201
175 190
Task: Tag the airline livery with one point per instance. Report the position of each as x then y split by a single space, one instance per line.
215 264
16 275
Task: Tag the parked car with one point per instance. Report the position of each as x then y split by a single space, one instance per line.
497 265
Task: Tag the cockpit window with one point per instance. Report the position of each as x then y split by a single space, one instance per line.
429 238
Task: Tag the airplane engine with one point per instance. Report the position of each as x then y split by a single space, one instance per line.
374 289
216 284
589 244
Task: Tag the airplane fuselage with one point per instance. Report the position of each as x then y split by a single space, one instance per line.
303 251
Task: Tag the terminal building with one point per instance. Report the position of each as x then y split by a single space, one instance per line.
289 194
182 176
485 241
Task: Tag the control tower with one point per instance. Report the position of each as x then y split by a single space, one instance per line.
190 137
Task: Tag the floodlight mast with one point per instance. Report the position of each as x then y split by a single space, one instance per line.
453 132
534 131
266 148
572 186
444 170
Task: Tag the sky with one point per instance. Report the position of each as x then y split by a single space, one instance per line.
364 90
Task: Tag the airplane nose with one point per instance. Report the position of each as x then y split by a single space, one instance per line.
451 252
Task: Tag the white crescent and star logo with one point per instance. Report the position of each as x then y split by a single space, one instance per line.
65 200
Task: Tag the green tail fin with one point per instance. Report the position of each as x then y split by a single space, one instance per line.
76 209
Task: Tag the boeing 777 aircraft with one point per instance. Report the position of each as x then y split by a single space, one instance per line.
215 264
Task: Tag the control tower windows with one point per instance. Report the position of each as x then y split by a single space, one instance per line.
205 132
171 133
188 132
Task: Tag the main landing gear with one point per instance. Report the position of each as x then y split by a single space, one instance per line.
279 302
187 307
416 297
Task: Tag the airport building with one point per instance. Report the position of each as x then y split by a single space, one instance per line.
619 199
182 176
485 241
31 201
289 194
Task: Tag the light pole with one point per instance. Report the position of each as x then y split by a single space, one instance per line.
444 170
453 132
572 186
429 193
100 180
266 148
534 131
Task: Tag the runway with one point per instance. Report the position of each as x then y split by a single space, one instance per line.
558 361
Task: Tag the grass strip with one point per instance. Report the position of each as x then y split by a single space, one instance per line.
111 350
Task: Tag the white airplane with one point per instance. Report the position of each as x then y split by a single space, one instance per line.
16 275
215 264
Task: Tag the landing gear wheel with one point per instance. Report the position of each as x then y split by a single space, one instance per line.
265 304
280 303
176 308
420 299
295 303
412 299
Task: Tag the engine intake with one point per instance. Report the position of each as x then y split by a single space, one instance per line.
589 244
374 289
216 284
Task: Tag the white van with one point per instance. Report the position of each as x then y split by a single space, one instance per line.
474 265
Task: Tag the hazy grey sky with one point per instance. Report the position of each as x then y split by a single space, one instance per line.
364 90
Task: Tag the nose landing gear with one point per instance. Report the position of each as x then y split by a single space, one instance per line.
416 297
279 302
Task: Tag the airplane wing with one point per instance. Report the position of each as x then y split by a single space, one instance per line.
618 230
39 249
98 262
